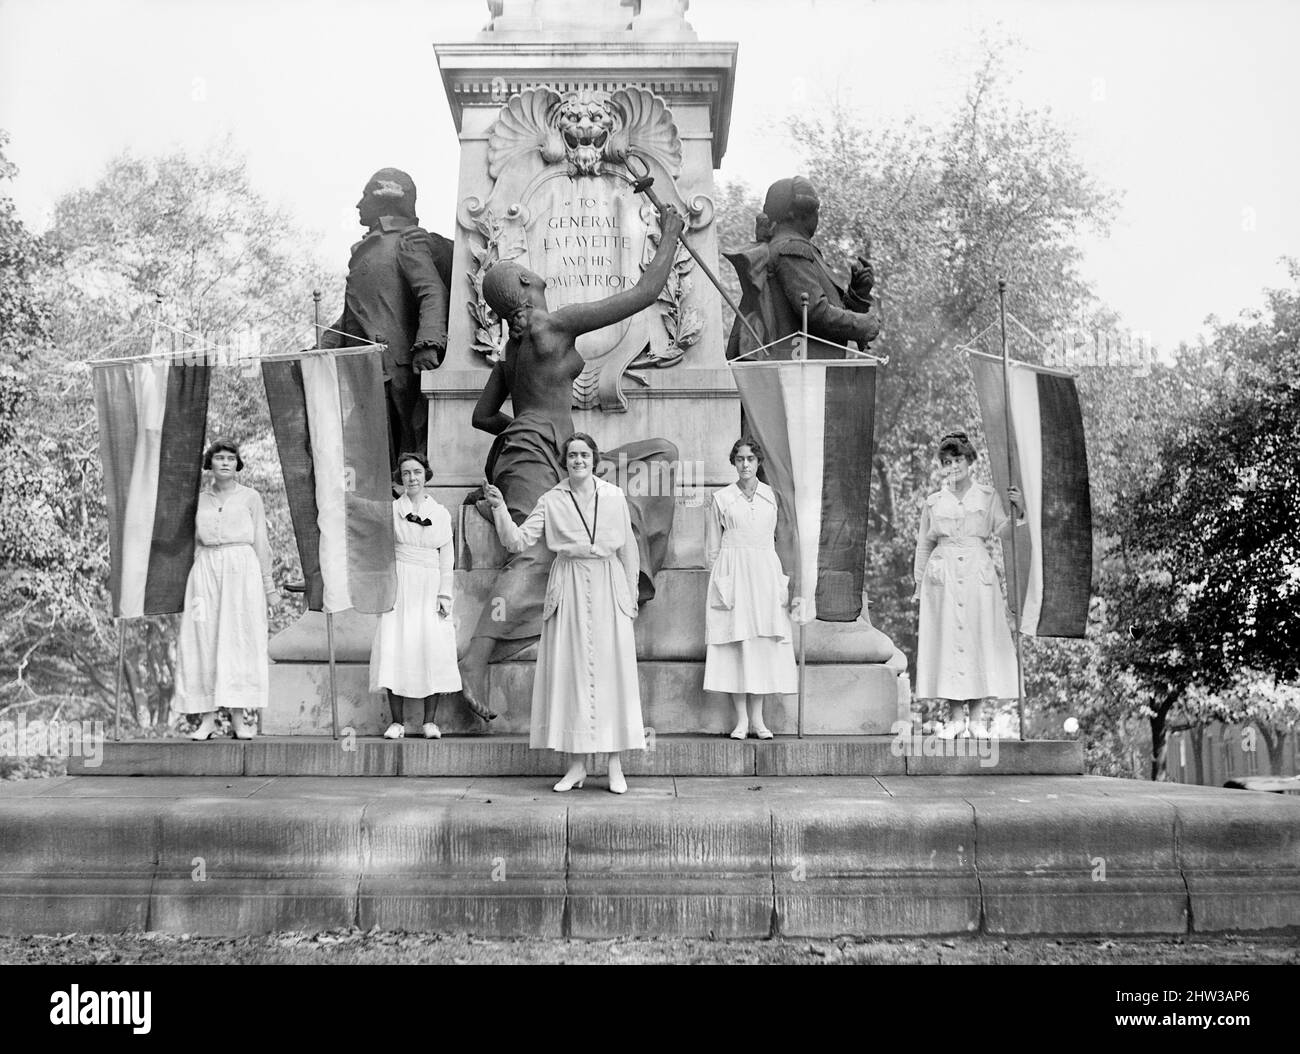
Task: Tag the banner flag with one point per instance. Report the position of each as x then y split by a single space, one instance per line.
815 421
331 430
1054 545
152 417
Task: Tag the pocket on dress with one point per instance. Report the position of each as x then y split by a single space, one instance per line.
935 572
722 592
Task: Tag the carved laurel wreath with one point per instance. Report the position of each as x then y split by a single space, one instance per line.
489 335
685 325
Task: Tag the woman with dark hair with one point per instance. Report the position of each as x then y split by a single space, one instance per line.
747 624
222 643
964 652
414 651
585 694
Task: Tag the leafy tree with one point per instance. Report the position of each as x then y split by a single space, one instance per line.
24 326
167 253
995 192
1210 544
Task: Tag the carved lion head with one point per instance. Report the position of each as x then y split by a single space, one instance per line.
585 122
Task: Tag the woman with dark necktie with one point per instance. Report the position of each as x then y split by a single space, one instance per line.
414 652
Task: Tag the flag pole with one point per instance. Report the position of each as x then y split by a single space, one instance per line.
802 353
329 615
117 691
334 695
1013 577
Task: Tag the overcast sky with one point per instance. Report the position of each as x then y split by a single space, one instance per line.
1189 108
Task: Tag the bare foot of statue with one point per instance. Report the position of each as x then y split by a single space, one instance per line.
473 677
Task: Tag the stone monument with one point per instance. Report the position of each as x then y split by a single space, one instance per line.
560 107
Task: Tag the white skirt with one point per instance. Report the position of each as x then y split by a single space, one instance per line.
414 651
761 666
221 648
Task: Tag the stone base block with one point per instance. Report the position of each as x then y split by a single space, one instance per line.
840 699
253 866
888 868
691 869
1045 869
668 628
449 868
96 871
1242 861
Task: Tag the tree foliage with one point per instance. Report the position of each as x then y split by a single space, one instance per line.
995 192
1209 582
174 253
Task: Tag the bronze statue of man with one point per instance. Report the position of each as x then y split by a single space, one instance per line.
536 375
396 295
783 264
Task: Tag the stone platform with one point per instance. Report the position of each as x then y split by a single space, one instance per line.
693 856
499 755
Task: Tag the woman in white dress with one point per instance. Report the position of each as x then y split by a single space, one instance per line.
221 647
414 651
964 650
585 694
748 631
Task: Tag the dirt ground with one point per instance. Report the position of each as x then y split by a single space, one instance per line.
354 946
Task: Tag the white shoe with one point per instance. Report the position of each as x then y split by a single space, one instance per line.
980 732
617 784
432 731
395 731
207 728
575 777
949 731
740 731
237 721
762 732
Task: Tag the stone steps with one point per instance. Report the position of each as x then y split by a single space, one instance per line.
699 857
505 755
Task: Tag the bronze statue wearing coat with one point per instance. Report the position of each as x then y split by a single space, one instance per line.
396 295
782 265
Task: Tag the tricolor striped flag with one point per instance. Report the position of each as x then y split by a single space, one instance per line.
152 415
815 421
1054 546
331 429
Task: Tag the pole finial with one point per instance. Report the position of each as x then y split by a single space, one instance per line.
1002 285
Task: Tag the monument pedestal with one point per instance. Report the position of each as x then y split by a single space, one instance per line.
856 683
554 107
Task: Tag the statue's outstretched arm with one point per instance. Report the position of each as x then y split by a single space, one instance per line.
488 416
583 318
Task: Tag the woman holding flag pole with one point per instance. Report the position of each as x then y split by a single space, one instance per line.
222 643
964 651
